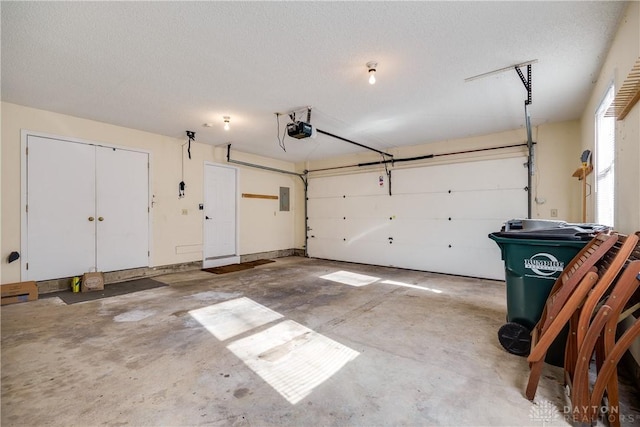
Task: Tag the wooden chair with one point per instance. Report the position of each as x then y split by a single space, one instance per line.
567 293
608 268
601 339
604 339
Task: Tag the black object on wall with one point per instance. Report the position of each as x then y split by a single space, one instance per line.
13 256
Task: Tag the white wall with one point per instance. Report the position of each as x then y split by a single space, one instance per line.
176 237
623 53
261 221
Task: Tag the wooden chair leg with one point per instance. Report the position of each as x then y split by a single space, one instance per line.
608 374
607 344
613 397
580 396
534 379
571 350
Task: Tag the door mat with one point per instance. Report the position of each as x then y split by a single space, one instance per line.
111 290
237 267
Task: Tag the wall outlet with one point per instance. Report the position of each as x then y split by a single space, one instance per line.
185 211
554 213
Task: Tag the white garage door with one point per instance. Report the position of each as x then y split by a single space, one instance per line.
437 219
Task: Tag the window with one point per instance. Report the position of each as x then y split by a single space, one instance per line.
605 162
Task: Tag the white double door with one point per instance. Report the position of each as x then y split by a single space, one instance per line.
87 208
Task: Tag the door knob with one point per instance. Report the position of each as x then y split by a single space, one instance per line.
90 218
100 218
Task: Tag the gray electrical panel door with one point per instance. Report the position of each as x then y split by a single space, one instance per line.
284 199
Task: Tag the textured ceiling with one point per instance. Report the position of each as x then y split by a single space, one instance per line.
167 67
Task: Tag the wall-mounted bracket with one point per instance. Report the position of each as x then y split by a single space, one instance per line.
192 137
526 82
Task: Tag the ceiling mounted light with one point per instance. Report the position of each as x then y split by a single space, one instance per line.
226 122
372 65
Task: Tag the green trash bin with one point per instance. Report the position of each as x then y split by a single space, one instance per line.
533 260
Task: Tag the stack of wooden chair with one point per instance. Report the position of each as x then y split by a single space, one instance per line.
597 289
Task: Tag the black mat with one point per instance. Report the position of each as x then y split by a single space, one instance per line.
237 267
110 290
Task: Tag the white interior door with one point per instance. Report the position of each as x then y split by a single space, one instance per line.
122 209
61 208
220 210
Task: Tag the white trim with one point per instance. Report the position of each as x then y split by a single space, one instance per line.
603 95
599 153
83 141
150 210
24 250
24 134
235 259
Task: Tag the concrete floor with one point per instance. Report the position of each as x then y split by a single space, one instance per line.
287 347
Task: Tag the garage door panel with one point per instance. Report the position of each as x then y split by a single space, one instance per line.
327 228
438 217
327 248
366 207
416 206
350 230
421 230
462 261
324 207
361 184
362 251
487 203
354 207
469 176
369 228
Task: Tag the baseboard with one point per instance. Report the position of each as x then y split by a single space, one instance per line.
271 254
48 286
219 262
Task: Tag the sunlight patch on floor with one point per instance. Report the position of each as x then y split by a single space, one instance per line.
349 278
409 285
234 317
291 358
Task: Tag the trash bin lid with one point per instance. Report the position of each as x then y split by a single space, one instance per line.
532 224
576 232
541 224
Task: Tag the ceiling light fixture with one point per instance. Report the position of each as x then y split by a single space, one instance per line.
226 122
371 65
